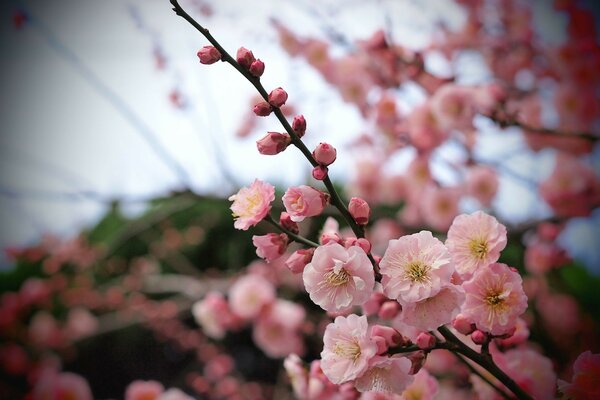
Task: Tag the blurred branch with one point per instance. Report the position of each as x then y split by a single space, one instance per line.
511 121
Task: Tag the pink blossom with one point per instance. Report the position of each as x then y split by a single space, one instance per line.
415 267
531 371
245 57
262 109
277 330
424 129
385 374
495 298
257 68
586 375
320 172
80 323
347 348
209 55
360 210
475 241
251 204
482 184
435 311
325 154
439 206
424 387
299 259
303 201
270 246
144 390
453 107
299 125
212 314
273 143
278 97
337 278
249 294
297 374
59 386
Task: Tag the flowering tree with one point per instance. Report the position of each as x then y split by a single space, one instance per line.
394 293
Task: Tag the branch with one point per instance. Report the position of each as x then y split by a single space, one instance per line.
292 235
506 122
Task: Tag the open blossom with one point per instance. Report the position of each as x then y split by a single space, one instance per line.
453 106
347 348
475 241
495 298
482 183
424 387
586 375
337 278
531 371
212 314
277 330
415 267
385 374
439 206
303 201
435 311
251 204
249 295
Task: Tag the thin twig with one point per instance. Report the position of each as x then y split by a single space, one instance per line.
291 234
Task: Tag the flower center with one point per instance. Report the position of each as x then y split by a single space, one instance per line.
346 349
479 248
339 278
495 299
417 271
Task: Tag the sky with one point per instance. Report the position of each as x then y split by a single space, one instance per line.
86 115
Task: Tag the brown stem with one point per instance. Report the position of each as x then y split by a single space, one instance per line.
291 234
506 122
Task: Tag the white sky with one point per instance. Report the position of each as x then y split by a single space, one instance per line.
74 82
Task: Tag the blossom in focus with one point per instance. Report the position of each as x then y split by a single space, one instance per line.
586 375
495 299
347 348
249 294
337 278
303 201
385 374
415 267
144 390
435 311
475 241
251 204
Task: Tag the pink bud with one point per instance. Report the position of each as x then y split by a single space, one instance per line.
257 68
392 337
209 55
299 125
270 246
285 220
349 242
278 97
463 324
479 337
426 341
382 346
364 244
360 210
273 143
372 305
298 260
245 57
324 154
330 237
320 172
262 109
389 309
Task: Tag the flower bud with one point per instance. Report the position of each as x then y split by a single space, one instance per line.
245 57
273 143
257 68
262 109
270 246
324 154
278 97
392 337
426 341
349 242
209 55
299 125
329 237
319 172
382 346
363 244
286 221
463 324
298 260
389 309
360 210
479 337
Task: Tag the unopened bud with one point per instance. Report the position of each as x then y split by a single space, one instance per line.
330 237
245 57
463 324
257 68
298 260
389 309
273 143
360 210
392 337
278 97
209 55
319 172
364 244
426 341
262 109
299 125
324 154
479 337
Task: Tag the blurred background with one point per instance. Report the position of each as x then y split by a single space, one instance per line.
119 150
